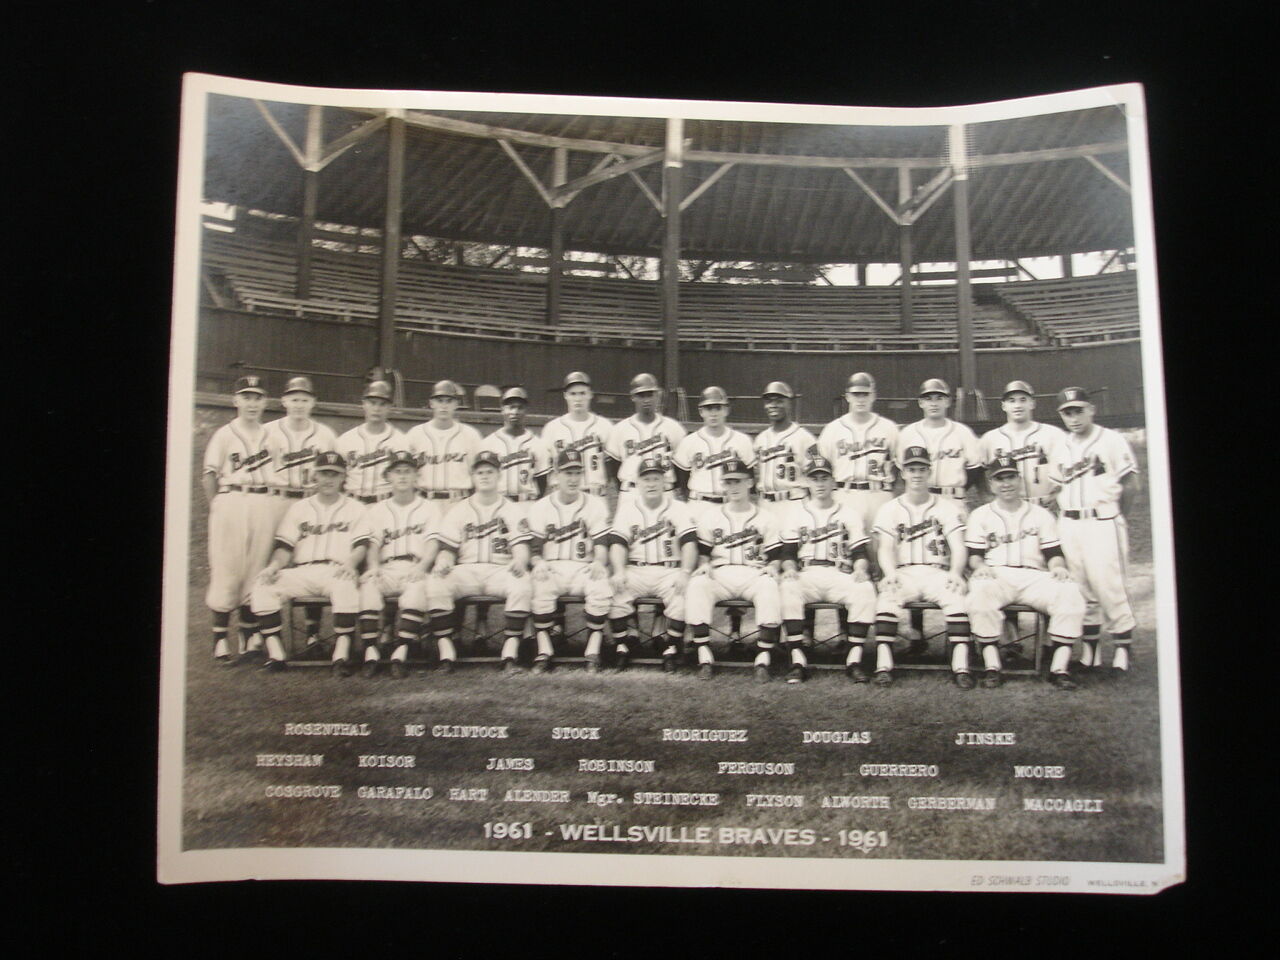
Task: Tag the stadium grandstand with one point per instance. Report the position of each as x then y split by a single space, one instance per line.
519 246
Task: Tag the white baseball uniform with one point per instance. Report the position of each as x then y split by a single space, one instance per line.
824 539
322 537
653 539
953 450
740 544
1013 545
241 516
567 534
589 437
444 458
704 456
919 534
780 457
292 454
482 535
366 455
399 534
1029 449
524 458
861 455
1095 534
631 441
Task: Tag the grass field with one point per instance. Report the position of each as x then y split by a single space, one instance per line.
1104 735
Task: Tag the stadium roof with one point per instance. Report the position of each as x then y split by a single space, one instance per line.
1042 185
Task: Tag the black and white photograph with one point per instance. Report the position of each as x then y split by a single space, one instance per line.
667 493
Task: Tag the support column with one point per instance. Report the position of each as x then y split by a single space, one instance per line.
672 192
860 274
1067 269
310 200
905 255
964 301
555 276
390 288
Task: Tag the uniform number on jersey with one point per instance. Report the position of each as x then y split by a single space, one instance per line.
784 471
595 462
524 477
668 550
499 544
580 550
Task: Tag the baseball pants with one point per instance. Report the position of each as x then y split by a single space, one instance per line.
655 581
733 583
307 580
440 594
571 577
1097 553
828 585
242 528
1060 599
389 583
920 582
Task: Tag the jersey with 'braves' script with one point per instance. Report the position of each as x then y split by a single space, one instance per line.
953 450
780 457
826 535
401 531
631 441
482 533
1090 469
238 455
524 458
319 532
587 437
860 453
568 531
294 451
367 454
1029 449
739 539
919 532
444 456
1016 539
704 457
655 535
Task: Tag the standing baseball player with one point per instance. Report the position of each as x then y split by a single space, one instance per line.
445 446
402 549
740 553
923 556
580 429
701 457
643 436
824 560
567 534
653 549
954 454
320 543
781 450
1099 480
1016 557
1024 440
367 447
861 446
483 550
236 481
525 459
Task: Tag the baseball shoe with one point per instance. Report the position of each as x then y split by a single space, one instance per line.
272 666
445 666
541 664
222 653
250 657
706 671
399 670
884 678
992 679
797 674
1063 681
623 659
762 673
593 664
369 669
1119 674
510 668
670 663
963 680
341 668
855 673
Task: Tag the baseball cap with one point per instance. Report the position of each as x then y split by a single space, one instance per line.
298 385
515 393
1072 397
736 468
1017 386
651 465
569 460
487 458
400 456
379 389
935 385
778 388
643 383
999 465
446 388
713 396
576 377
250 384
915 455
861 382
817 464
328 460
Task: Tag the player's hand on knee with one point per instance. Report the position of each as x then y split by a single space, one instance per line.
269 575
1061 573
541 572
790 574
598 571
956 584
443 566
982 573
515 569
619 582
889 584
367 576
682 580
345 572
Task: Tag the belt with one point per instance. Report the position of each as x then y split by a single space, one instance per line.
439 494
290 494
783 495
708 497
522 497
308 563
372 498
949 491
404 556
860 485
241 488
659 563
932 566
1084 515
817 563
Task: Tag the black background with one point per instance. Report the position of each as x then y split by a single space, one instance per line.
95 131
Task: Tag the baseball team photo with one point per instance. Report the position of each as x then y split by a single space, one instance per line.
667 493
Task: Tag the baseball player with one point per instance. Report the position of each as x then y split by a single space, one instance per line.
861 446
1016 557
319 544
525 459
401 551
580 429
653 549
567 532
1025 440
482 551
236 480
367 448
923 556
445 446
781 450
701 457
825 560
740 552
1098 475
645 435
954 454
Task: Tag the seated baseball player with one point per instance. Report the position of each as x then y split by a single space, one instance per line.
653 549
740 553
319 544
1016 557
566 533
922 553
824 560
402 550
482 551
